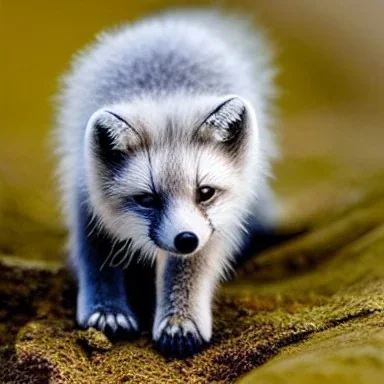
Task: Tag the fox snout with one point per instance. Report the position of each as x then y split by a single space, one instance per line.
181 230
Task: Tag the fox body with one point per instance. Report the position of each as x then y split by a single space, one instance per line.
164 151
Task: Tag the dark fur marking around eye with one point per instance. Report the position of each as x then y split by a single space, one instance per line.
203 211
155 222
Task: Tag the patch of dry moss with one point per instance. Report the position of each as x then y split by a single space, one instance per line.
317 299
257 319
349 353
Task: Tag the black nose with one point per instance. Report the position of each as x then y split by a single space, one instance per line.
186 242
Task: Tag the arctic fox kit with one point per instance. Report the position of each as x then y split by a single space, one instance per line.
164 153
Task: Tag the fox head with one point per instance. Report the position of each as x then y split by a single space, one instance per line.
173 175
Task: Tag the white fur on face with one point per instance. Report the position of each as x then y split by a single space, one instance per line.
176 181
107 70
183 216
173 166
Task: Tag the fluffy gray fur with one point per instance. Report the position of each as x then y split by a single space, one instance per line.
158 79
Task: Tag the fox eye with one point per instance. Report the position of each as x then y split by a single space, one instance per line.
146 200
205 194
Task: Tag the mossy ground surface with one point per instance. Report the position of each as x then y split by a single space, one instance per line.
308 310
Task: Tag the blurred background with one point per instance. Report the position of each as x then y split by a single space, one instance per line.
330 57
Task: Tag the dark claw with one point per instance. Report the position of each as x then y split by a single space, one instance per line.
179 345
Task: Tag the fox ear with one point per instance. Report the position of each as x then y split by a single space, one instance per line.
110 136
227 123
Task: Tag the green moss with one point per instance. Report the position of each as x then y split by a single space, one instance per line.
310 309
349 353
281 314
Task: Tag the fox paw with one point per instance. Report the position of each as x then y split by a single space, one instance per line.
113 322
178 337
